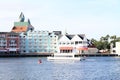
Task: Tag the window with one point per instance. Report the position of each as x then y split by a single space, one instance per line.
67 43
63 43
80 42
72 42
60 43
24 51
76 42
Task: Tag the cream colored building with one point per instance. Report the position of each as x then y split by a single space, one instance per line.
118 48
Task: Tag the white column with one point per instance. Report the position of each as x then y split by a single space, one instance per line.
111 48
118 48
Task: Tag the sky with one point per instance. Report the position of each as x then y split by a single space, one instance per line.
94 18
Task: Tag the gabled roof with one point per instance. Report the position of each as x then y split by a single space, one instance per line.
57 32
59 36
64 38
21 23
81 36
69 36
77 38
19 29
30 27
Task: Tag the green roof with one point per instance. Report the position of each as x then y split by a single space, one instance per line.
21 23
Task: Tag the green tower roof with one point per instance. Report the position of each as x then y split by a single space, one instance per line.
21 23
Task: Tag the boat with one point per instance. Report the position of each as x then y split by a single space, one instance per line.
63 56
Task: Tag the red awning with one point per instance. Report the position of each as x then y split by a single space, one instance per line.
82 48
66 48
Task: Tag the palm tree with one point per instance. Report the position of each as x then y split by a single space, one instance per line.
113 37
113 40
107 37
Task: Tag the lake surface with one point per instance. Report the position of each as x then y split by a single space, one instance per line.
93 68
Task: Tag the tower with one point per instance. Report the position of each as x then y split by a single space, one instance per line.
21 17
22 25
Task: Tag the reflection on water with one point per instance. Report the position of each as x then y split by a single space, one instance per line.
93 68
63 62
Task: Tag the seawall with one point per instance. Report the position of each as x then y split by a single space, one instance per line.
97 55
48 54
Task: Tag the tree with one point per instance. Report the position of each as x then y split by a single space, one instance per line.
113 40
104 43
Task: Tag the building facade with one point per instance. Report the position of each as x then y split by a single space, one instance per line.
76 43
3 42
32 41
24 39
9 42
38 42
117 48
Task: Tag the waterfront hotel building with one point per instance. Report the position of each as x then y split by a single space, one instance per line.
24 39
38 42
32 41
71 43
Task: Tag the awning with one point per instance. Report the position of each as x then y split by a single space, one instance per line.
82 48
66 48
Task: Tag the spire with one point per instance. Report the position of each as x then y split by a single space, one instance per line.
21 17
29 21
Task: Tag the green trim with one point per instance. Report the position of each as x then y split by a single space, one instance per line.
21 23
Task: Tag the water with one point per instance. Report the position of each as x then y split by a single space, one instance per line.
93 68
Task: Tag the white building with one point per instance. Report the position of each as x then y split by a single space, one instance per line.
118 48
73 43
